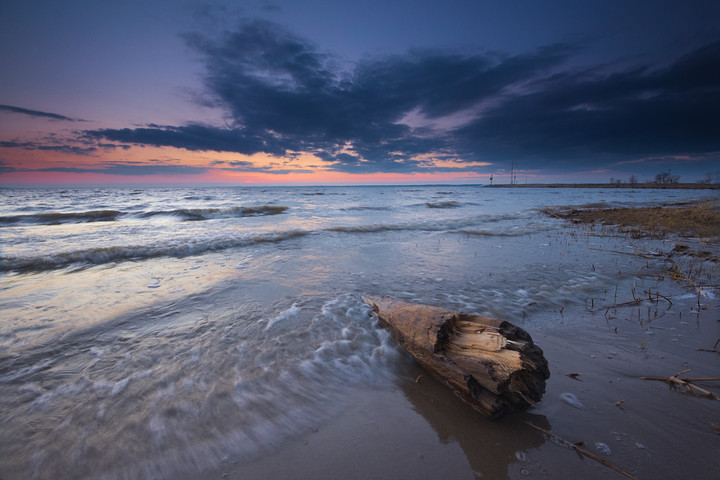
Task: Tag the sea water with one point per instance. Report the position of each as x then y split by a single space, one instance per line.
150 331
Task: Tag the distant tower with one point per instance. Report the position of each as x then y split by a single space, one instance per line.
491 179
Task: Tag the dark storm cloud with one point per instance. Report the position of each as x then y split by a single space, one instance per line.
574 115
282 95
34 113
192 137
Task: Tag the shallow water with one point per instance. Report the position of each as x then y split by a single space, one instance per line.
148 332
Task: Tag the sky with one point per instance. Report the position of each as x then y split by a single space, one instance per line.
375 92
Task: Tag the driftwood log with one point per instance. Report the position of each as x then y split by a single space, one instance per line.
492 364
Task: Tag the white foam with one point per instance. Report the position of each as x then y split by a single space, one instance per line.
120 385
65 390
285 315
97 351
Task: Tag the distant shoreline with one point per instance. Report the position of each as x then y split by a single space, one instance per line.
687 186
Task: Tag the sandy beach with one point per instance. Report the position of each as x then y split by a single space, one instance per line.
421 430
596 396
221 333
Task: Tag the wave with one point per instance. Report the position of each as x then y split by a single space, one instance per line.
85 258
58 218
185 214
98 256
361 208
456 224
447 204
513 231
198 197
195 214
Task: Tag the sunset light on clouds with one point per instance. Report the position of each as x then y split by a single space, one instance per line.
428 92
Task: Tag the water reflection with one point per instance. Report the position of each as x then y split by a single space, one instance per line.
492 447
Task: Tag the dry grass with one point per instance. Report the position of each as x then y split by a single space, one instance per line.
701 220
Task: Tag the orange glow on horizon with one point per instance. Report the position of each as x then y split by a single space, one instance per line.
27 167
236 178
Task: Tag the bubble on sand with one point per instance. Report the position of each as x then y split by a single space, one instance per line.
603 448
571 400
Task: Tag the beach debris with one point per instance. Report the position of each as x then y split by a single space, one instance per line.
714 349
571 400
648 256
676 273
686 383
577 446
574 376
619 404
492 364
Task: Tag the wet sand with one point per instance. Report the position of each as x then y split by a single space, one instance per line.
420 430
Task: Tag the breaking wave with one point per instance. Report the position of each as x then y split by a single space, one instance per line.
194 214
103 255
185 214
58 218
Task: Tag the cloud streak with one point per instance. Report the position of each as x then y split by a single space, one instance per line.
35 113
282 95
62 148
125 169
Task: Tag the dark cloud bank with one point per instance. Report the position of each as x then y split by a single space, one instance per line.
283 95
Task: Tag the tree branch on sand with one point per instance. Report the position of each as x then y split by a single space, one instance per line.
492 364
